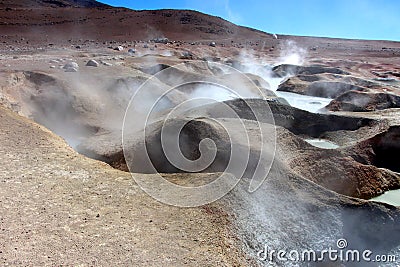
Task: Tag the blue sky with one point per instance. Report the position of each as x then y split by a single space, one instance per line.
357 19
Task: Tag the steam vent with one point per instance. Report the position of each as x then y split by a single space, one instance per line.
133 134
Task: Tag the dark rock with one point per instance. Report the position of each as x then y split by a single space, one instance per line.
293 85
187 55
381 150
331 89
39 78
211 58
309 78
92 63
295 120
161 40
363 101
71 67
287 69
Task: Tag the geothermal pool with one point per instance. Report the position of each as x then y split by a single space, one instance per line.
390 197
304 102
322 143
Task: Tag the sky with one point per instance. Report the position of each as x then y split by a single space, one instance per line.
355 19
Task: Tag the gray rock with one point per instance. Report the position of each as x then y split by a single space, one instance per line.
119 48
297 121
106 63
364 101
71 70
71 67
330 89
162 40
92 63
213 44
289 69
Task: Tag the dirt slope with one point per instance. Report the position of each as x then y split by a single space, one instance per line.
33 21
51 3
60 208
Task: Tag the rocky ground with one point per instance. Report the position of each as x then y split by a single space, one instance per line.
67 197
63 208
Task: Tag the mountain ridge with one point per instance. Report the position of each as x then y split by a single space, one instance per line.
53 3
61 19
37 22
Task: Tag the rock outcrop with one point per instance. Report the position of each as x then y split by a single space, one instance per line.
286 204
71 67
362 102
285 70
295 120
325 89
92 63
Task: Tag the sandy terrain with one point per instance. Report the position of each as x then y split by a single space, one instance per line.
60 208
66 79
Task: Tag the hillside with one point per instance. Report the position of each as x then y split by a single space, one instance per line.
51 3
40 20
96 106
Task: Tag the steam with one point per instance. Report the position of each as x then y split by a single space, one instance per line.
254 63
88 104
291 53
232 16
258 65
251 62
214 92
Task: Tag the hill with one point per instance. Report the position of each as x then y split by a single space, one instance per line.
51 3
60 20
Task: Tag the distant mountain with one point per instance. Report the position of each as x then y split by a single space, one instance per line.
51 3
63 21
60 20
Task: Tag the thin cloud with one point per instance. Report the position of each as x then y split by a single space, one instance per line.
231 16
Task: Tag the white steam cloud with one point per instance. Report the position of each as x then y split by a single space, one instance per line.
291 53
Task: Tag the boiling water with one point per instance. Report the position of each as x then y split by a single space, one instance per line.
304 102
321 143
390 197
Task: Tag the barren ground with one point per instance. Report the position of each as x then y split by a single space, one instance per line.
59 207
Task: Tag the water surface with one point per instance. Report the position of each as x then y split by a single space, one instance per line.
391 197
304 102
322 143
